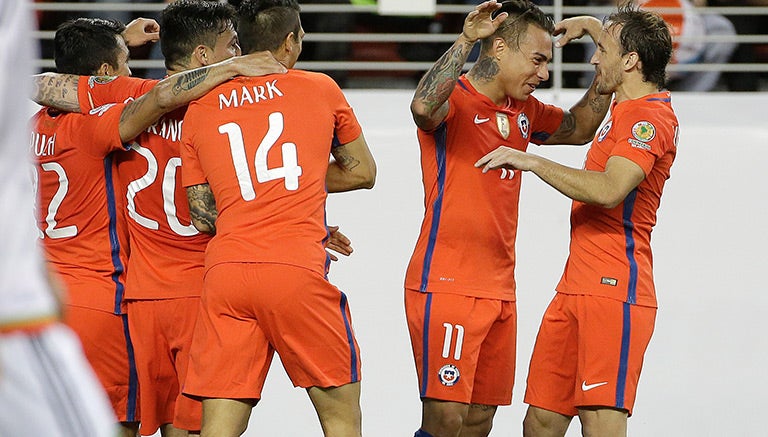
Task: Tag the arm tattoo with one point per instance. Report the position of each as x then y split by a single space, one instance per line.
344 159
132 108
189 80
437 84
202 207
567 126
59 93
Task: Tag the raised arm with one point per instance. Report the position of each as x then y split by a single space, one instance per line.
59 91
607 188
352 168
430 101
141 31
582 120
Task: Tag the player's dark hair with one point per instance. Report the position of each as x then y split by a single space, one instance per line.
82 45
646 34
264 24
522 13
186 24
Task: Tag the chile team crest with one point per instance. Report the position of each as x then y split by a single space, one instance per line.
502 122
449 375
524 125
604 131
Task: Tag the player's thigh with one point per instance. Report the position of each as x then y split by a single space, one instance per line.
308 321
447 333
496 364
554 360
48 388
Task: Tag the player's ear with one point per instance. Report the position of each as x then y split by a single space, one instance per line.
499 45
104 70
289 42
201 55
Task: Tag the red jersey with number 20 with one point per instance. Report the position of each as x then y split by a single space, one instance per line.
168 253
610 253
80 215
467 240
263 145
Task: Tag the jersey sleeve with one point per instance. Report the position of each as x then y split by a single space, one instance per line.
95 91
191 170
641 140
545 119
97 133
347 128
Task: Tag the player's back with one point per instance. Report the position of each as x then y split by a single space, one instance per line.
79 211
263 145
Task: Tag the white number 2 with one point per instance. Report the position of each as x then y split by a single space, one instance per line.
53 208
449 336
289 172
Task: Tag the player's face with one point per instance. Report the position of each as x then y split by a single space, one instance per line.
608 61
297 46
122 59
227 45
523 69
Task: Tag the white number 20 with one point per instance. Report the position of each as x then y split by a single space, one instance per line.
290 171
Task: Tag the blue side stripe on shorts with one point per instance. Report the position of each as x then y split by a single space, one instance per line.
437 206
621 383
354 377
425 347
133 378
629 227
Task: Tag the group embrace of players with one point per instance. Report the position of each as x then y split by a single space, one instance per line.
192 240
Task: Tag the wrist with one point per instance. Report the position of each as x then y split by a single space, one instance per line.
464 38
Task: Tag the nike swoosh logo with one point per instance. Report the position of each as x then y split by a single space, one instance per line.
588 387
479 120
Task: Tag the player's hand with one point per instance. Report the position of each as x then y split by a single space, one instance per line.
141 31
576 27
506 157
338 242
258 64
479 24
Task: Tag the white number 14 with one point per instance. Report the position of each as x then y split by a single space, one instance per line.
290 171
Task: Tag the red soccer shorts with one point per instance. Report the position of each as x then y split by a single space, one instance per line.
108 348
589 352
162 335
464 347
250 310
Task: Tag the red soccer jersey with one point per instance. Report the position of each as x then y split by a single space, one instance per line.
467 240
79 213
168 253
263 145
611 248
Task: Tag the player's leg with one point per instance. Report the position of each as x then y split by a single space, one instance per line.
338 409
539 422
479 420
442 418
226 417
598 422
552 372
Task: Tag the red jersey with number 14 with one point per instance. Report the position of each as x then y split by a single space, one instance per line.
263 145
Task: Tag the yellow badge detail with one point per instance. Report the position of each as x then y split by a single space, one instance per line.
502 122
644 131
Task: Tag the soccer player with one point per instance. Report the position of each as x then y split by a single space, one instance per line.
460 284
265 288
80 212
47 387
590 347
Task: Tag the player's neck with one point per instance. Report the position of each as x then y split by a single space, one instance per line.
635 89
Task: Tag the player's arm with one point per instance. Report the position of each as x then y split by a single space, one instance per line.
582 120
338 242
607 188
352 167
429 106
141 31
202 208
60 91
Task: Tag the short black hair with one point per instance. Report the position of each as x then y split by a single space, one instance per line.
185 24
82 45
522 13
646 34
264 24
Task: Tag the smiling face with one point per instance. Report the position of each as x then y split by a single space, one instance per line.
523 68
608 60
